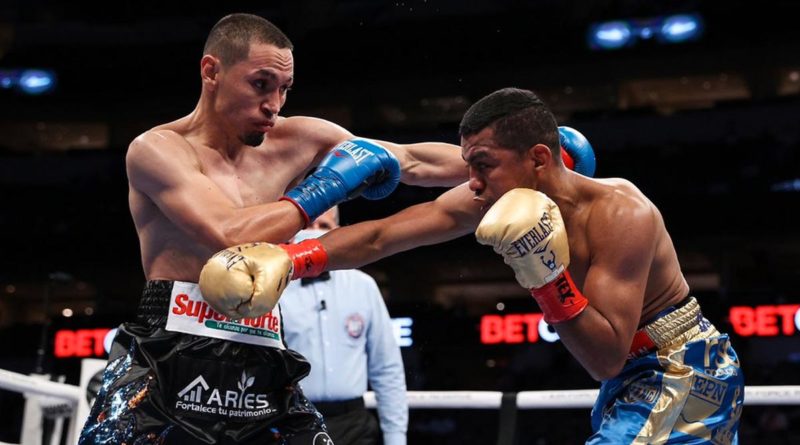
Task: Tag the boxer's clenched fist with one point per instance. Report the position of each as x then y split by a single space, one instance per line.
352 167
525 227
246 280
576 151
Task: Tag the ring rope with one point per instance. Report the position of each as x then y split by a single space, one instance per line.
14 381
560 399
563 399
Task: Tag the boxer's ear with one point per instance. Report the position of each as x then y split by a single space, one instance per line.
209 70
541 155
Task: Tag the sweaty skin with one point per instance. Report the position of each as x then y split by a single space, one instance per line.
212 179
622 257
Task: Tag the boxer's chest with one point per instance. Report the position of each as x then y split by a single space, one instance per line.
260 176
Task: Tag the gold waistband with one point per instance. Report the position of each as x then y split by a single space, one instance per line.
679 325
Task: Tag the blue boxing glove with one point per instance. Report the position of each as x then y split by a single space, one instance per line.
579 152
353 167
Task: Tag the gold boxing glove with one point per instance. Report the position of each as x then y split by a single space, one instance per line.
525 227
246 280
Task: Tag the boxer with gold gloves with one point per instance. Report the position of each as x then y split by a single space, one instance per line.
538 253
598 260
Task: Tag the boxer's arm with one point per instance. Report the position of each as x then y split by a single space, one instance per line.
621 234
430 164
451 215
163 166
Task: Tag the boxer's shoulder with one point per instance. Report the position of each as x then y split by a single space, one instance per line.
170 134
617 202
616 192
614 184
308 132
160 146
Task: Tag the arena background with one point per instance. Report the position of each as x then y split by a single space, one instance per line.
709 130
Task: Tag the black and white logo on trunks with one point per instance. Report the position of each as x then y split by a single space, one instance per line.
322 439
240 401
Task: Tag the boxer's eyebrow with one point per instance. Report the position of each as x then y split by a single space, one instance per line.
272 74
265 72
476 156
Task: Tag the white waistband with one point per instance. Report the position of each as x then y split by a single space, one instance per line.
189 313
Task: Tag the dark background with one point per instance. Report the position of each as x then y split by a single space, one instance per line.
708 130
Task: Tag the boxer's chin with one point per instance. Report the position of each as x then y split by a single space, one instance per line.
253 139
484 203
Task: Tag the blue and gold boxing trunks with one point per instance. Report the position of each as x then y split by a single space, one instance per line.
685 388
229 382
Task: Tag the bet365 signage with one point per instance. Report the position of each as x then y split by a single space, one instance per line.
765 321
82 343
747 321
515 329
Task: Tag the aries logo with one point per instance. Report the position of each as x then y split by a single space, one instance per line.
245 382
199 397
194 391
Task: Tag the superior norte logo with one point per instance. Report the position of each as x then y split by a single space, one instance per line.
266 325
199 397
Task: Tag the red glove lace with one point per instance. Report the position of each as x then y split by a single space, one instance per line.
309 258
560 300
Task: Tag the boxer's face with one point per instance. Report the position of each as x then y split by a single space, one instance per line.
493 169
253 91
327 221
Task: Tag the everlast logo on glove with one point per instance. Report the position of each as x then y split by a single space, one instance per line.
231 258
355 151
536 235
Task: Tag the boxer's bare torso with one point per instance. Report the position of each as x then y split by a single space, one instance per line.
244 177
588 236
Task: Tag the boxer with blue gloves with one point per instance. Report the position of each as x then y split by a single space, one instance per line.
211 179
356 166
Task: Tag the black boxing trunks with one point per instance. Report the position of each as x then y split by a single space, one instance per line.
185 374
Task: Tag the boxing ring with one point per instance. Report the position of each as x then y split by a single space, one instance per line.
58 400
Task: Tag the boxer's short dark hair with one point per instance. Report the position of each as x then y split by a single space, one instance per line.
231 36
518 117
